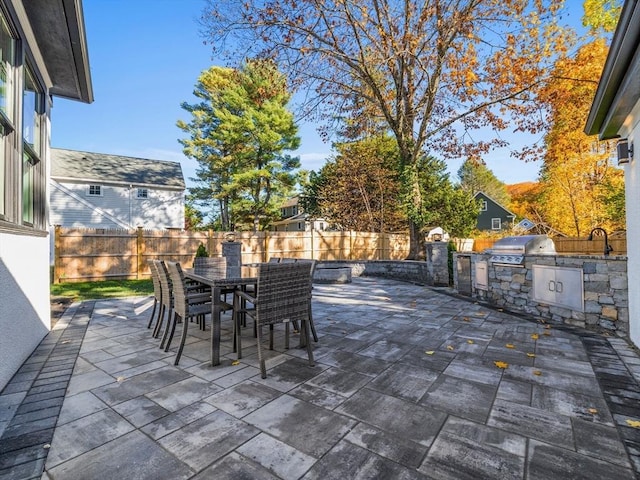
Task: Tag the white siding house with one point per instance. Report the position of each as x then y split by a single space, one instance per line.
615 113
43 53
97 190
294 219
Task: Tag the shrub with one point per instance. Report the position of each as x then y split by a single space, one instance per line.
202 251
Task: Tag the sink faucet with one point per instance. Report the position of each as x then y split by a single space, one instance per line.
607 248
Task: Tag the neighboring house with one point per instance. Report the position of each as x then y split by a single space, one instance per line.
493 216
615 113
98 190
293 219
43 53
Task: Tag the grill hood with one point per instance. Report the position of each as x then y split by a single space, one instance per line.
511 250
524 244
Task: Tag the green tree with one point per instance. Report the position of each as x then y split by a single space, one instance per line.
476 177
359 189
239 132
193 218
443 204
432 71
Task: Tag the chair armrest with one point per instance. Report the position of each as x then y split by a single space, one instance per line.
245 296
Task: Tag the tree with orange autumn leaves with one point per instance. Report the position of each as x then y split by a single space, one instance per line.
433 72
579 187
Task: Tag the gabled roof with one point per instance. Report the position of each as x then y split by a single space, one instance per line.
619 87
497 203
115 169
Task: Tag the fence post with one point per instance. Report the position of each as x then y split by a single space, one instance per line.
312 253
140 248
265 249
210 245
57 267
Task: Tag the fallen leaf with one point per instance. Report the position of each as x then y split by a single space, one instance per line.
470 342
466 319
65 341
430 352
501 310
531 355
547 326
413 304
592 411
120 379
537 372
535 336
546 334
501 364
633 423
235 362
449 347
46 446
510 345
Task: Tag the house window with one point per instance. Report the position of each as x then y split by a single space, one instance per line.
32 171
496 224
142 193
483 206
95 190
7 113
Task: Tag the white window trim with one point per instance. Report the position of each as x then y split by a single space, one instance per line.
89 194
499 227
483 208
141 190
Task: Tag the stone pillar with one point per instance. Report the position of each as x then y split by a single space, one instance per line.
437 263
232 251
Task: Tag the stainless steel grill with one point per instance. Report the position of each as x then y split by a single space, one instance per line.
512 250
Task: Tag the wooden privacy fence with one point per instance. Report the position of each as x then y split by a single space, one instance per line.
567 245
98 254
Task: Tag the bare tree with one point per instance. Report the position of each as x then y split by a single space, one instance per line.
434 71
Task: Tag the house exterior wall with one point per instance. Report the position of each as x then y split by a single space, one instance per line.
24 299
494 210
631 130
162 209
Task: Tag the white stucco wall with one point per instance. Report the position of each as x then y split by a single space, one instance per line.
631 131
25 316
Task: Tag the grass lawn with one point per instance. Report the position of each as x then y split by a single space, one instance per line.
104 289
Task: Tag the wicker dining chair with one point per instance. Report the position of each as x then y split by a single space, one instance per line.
282 296
312 264
166 301
157 292
215 266
187 304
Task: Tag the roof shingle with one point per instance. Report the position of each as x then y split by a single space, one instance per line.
107 168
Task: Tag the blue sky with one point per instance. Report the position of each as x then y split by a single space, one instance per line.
145 58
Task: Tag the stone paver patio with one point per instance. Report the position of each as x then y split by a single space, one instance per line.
405 386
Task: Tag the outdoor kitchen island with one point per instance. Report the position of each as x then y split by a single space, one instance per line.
527 275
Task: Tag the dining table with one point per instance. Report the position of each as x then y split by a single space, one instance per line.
235 277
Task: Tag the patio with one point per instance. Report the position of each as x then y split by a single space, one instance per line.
405 386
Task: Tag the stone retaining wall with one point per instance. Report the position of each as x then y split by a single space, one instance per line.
606 302
434 271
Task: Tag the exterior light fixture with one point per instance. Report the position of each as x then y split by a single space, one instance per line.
625 151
